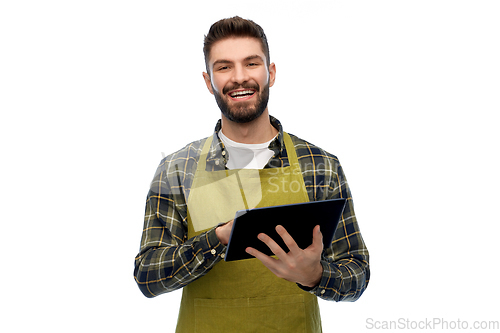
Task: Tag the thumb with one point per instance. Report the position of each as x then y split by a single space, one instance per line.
317 237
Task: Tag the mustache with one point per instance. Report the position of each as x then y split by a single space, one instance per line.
240 86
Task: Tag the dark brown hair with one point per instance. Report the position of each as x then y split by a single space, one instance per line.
234 27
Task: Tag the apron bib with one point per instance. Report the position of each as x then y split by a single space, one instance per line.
244 296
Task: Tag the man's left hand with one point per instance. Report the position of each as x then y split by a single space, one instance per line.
299 266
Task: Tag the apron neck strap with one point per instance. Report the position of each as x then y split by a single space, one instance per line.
202 163
287 140
290 150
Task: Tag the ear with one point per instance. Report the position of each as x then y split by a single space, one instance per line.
272 74
208 82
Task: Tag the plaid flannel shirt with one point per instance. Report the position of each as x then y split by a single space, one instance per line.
168 260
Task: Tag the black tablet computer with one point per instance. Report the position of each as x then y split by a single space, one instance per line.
298 219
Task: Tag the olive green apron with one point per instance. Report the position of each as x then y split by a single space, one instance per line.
244 296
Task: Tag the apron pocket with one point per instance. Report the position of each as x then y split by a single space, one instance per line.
263 314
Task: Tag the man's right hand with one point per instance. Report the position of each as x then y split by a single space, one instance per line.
224 231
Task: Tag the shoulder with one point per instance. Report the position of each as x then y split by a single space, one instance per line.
182 159
308 152
320 170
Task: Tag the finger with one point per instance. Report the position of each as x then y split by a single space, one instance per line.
271 263
317 242
265 259
287 238
272 245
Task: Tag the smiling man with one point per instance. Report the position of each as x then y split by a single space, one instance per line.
240 81
197 190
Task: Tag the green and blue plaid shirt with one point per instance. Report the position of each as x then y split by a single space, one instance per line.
168 260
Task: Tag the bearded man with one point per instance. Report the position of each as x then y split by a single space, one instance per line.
194 196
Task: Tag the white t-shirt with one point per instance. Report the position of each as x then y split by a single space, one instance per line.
246 156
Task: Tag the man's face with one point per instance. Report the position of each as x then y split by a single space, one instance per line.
240 78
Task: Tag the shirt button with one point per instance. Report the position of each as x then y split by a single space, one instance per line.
217 162
213 251
323 292
223 153
222 255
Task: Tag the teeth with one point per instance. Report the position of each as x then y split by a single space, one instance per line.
243 92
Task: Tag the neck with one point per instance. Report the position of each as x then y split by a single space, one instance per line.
257 131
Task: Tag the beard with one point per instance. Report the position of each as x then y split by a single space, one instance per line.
246 112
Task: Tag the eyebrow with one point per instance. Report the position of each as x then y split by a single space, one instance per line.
252 57
224 61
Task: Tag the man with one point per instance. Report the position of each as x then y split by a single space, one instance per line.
197 190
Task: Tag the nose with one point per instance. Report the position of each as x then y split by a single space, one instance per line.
240 74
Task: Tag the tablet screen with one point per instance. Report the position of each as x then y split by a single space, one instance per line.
298 219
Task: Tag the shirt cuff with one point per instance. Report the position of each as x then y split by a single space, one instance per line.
324 289
212 247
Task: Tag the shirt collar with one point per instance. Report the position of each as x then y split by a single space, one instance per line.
217 154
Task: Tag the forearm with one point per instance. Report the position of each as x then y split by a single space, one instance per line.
169 267
344 280
346 269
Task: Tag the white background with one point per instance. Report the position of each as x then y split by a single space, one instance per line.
93 92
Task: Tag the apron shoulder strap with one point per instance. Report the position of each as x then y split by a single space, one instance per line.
202 162
290 150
